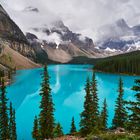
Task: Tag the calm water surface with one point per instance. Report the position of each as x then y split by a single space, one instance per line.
67 83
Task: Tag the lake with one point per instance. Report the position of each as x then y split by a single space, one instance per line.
67 83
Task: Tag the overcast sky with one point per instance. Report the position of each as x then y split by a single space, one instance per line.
83 16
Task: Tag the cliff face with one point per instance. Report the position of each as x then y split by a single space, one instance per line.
15 50
11 33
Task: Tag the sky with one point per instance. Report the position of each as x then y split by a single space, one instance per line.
81 16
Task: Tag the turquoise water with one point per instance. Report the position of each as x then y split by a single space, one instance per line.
67 83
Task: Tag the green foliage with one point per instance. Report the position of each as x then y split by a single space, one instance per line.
46 116
95 102
87 114
12 124
104 116
120 117
58 131
73 127
125 63
112 136
134 117
4 127
35 132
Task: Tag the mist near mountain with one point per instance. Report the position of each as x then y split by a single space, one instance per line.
82 16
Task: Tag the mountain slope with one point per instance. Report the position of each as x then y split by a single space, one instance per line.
120 38
61 44
12 59
14 47
128 63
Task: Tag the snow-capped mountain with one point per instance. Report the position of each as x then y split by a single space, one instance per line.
58 33
119 38
61 44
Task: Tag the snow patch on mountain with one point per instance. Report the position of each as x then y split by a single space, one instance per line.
119 37
137 44
110 50
82 38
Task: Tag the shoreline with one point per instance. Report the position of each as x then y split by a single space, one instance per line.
124 74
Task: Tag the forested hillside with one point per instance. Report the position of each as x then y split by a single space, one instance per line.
126 63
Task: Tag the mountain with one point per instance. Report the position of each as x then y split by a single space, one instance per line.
61 44
15 50
120 38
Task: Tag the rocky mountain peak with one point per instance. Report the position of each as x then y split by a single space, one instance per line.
2 10
122 23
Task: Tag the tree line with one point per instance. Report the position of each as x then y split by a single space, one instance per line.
127 113
7 116
126 64
92 119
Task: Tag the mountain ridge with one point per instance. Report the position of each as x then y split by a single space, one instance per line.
13 41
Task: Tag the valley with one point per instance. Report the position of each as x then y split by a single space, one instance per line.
68 74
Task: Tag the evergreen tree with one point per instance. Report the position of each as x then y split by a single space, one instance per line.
95 101
104 116
4 127
9 74
120 117
35 132
11 121
46 117
73 127
58 131
12 124
134 117
87 114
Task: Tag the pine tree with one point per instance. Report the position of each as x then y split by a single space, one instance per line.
12 124
73 127
4 127
58 131
134 117
87 114
46 116
104 116
95 101
11 121
120 117
35 132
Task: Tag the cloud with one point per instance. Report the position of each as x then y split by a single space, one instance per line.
83 16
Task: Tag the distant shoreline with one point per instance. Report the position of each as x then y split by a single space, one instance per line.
127 74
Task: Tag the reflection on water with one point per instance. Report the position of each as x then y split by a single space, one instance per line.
67 83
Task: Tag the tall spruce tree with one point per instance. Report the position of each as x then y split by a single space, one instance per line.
35 132
12 124
120 117
4 127
46 116
73 127
95 101
134 107
104 116
58 131
87 114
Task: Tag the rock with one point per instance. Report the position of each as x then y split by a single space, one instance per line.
119 130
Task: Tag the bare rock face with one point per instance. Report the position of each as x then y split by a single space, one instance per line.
11 33
9 30
14 47
61 44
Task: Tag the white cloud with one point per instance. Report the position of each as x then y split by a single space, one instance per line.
83 16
